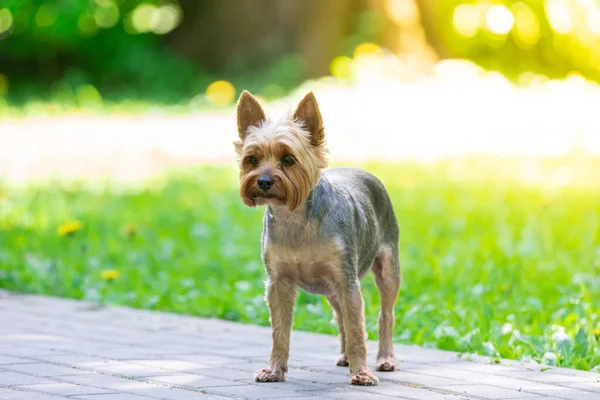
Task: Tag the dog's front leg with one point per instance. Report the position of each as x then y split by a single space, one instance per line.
281 297
353 312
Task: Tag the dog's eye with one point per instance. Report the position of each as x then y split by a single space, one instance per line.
254 161
288 161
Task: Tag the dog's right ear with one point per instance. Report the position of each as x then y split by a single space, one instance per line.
249 113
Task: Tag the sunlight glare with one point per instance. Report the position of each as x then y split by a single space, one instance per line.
559 16
466 20
499 20
402 12
527 27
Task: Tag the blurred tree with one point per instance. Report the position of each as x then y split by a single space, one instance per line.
429 13
238 35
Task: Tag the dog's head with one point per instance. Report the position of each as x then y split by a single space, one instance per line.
280 160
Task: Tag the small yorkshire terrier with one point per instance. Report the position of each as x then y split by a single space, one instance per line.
322 231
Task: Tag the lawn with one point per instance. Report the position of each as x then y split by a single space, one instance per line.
499 257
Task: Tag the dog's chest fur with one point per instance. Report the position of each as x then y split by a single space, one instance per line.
294 250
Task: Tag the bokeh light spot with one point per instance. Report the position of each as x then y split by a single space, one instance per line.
527 26
142 17
593 22
88 95
367 49
6 20
220 93
46 15
466 20
107 15
87 24
499 20
341 67
3 85
402 12
166 19
159 20
559 16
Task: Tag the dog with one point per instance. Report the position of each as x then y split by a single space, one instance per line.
322 231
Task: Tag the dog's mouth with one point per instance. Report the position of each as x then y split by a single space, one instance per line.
265 196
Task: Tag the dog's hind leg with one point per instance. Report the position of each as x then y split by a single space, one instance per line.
386 269
342 360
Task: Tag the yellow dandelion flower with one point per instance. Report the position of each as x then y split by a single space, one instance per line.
69 228
110 274
128 230
597 334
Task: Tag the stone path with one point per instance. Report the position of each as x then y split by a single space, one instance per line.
54 348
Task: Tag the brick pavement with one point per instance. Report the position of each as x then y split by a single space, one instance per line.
54 348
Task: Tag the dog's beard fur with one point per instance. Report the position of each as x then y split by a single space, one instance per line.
269 143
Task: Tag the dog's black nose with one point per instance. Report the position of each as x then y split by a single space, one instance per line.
264 183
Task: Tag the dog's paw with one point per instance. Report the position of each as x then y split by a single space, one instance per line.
342 361
268 375
364 378
386 364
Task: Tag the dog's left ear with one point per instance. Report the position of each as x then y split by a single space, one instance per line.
249 113
308 112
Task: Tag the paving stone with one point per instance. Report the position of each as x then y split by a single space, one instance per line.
94 379
30 352
586 386
63 388
7 360
409 392
209 359
44 369
259 391
168 364
123 368
75 360
514 384
119 396
138 387
250 366
22 395
318 377
351 395
489 392
568 394
193 381
404 377
300 386
537 376
10 378
220 372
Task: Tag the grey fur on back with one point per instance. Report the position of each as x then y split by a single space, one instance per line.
348 204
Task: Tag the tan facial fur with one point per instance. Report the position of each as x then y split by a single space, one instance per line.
265 145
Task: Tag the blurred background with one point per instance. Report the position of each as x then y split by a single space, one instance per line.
118 181
462 76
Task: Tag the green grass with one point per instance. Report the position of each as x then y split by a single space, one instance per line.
490 265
